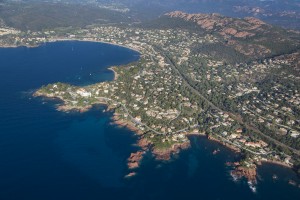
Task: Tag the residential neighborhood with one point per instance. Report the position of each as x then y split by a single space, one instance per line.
160 102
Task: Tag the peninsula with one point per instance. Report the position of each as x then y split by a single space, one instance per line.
203 74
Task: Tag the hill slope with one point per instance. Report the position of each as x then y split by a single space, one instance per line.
38 16
249 37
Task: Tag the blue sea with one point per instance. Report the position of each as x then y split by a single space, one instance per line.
50 155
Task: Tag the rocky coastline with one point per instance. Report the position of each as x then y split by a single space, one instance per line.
145 145
134 159
249 173
125 123
133 162
229 146
166 154
63 107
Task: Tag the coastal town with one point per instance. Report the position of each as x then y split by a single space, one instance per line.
175 90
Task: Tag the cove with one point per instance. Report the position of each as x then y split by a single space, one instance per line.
47 154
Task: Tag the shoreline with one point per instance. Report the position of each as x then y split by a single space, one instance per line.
276 163
166 153
262 161
228 146
146 145
89 40
111 68
116 75
125 123
51 40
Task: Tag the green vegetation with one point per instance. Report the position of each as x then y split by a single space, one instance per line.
41 16
195 80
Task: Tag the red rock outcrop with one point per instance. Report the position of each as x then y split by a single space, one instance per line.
230 31
254 21
131 174
165 154
134 159
248 172
225 26
144 144
243 34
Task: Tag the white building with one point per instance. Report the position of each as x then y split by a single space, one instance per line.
83 93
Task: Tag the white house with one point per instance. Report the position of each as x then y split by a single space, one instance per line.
83 93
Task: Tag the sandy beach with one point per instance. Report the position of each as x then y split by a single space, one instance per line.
116 76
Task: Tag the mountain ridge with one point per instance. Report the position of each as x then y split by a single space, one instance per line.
249 36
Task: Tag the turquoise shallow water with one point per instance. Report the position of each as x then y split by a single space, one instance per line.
46 154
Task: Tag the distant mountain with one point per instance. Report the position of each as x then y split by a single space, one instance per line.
277 12
38 16
284 13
